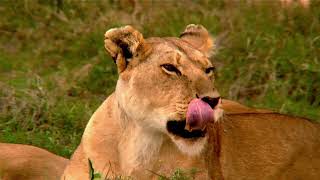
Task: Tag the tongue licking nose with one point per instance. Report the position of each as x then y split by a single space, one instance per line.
199 113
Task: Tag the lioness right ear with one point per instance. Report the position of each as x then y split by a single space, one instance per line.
199 38
122 44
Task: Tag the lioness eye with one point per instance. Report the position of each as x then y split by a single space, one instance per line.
210 70
170 69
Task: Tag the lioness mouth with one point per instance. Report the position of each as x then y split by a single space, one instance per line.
178 128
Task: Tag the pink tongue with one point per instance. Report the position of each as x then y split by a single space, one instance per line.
199 113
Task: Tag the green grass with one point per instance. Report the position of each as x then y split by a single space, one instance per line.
54 71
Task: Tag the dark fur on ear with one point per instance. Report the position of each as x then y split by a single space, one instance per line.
122 44
199 38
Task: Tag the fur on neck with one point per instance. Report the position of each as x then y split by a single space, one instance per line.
138 146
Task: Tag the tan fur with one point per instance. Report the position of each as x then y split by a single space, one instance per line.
23 162
127 135
193 33
261 144
264 145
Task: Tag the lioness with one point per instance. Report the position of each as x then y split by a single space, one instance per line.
141 127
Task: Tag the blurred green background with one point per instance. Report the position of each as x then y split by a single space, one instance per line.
54 71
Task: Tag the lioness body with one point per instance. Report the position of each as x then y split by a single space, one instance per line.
23 162
265 146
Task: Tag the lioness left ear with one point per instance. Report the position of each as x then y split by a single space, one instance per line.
122 44
199 38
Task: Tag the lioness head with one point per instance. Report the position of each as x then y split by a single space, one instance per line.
161 80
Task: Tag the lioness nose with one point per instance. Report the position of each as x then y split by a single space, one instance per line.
212 101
